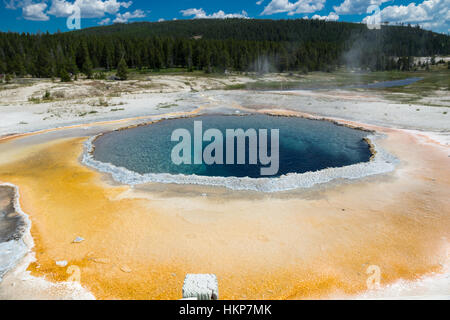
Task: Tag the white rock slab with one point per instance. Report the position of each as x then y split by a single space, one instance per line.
201 287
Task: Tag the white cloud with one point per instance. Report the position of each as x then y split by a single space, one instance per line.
88 8
105 21
35 12
300 6
259 2
357 6
61 8
161 20
30 10
201 14
193 12
124 17
331 17
12 4
430 14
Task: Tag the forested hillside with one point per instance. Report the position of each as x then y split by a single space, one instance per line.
218 45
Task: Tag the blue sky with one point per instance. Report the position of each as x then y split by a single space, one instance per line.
51 15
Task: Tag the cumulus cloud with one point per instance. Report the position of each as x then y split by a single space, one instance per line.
88 8
300 6
259 2
357 6
124 17
331 17
61 8
430 14
35 12
41 11
30 10
201 14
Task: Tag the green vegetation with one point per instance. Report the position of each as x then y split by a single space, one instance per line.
212 45
64 75
437 79
34 100
86 113
122 70
47 96
423 92
100 76
239 86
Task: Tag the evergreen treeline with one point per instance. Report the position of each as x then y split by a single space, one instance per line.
218 45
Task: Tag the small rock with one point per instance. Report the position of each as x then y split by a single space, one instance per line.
61 263
78 240
125 269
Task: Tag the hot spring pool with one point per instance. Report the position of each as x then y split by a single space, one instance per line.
304 146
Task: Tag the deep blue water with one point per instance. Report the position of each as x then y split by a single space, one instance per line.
387 84
305 145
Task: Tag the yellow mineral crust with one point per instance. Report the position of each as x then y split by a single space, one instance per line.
139 243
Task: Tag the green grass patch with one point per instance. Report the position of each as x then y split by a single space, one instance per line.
34 100
437 79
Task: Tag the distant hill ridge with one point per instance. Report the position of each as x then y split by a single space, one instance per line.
257 30
215 45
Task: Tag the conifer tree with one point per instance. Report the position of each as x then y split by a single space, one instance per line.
44 64
234 44
122 70
64 75
87 68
